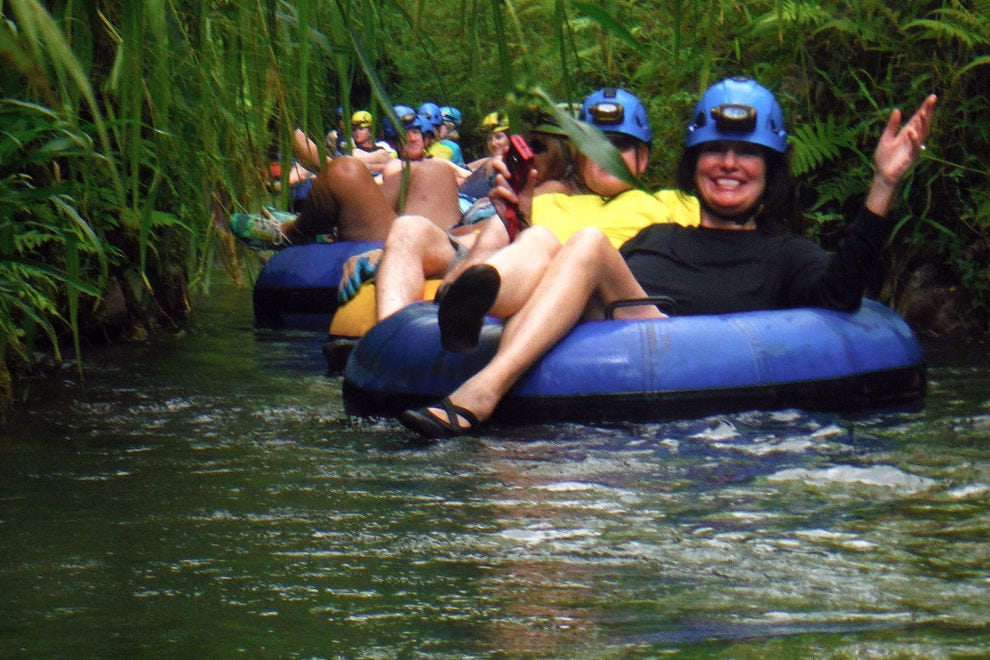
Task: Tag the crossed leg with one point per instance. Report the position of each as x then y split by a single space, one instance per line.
586 265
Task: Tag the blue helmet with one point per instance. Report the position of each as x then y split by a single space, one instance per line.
615 110
738 109
431 111
452 115
407 117
405 114
423 123
387 129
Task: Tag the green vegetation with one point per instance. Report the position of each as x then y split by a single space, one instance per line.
131 128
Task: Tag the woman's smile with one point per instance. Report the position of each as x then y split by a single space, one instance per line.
731 179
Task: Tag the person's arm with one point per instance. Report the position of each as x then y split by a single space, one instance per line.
897 152
306 151
813 277
839 281
502 193
480 162
460 173
373 160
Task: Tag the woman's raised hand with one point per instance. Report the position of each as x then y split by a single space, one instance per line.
900 147
897 151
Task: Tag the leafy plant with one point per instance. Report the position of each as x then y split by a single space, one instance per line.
40 225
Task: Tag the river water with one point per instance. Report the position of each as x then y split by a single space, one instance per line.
211 498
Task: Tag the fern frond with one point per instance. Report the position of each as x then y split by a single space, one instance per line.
818 142
975 19
791 14
945 30
979 61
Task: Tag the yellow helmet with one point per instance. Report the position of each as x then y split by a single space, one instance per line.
361 119
495 122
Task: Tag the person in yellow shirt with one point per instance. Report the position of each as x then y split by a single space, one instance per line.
429 113
449 133
416 249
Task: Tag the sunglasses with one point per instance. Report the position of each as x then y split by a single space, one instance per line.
622 142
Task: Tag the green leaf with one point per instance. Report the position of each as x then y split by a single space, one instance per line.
608 23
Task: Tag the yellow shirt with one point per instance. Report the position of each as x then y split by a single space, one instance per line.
620 217
438 150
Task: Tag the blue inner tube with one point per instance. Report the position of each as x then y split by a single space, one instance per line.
814 359
297 288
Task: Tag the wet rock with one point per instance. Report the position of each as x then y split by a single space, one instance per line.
936 306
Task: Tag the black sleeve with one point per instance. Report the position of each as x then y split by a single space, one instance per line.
838 281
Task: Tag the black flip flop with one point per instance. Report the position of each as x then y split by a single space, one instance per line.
428 425
464 305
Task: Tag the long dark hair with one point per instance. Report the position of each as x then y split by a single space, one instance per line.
780 209
561 160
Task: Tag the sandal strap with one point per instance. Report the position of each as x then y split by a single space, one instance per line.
456 412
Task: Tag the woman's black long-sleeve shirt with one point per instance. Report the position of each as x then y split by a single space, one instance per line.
716 271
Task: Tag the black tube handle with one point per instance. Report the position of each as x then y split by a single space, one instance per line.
665 304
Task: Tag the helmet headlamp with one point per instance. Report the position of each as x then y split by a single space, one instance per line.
734 117
607 112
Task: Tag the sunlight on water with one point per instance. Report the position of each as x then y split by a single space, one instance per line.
212 498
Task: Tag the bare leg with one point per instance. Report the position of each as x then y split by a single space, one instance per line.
501 287
431 192
416 248
521 266
490 236
344 196
417 245
586 264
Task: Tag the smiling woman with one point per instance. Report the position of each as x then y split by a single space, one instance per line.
735 158
730 176
735 162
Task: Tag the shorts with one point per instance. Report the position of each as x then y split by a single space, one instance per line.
460 251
